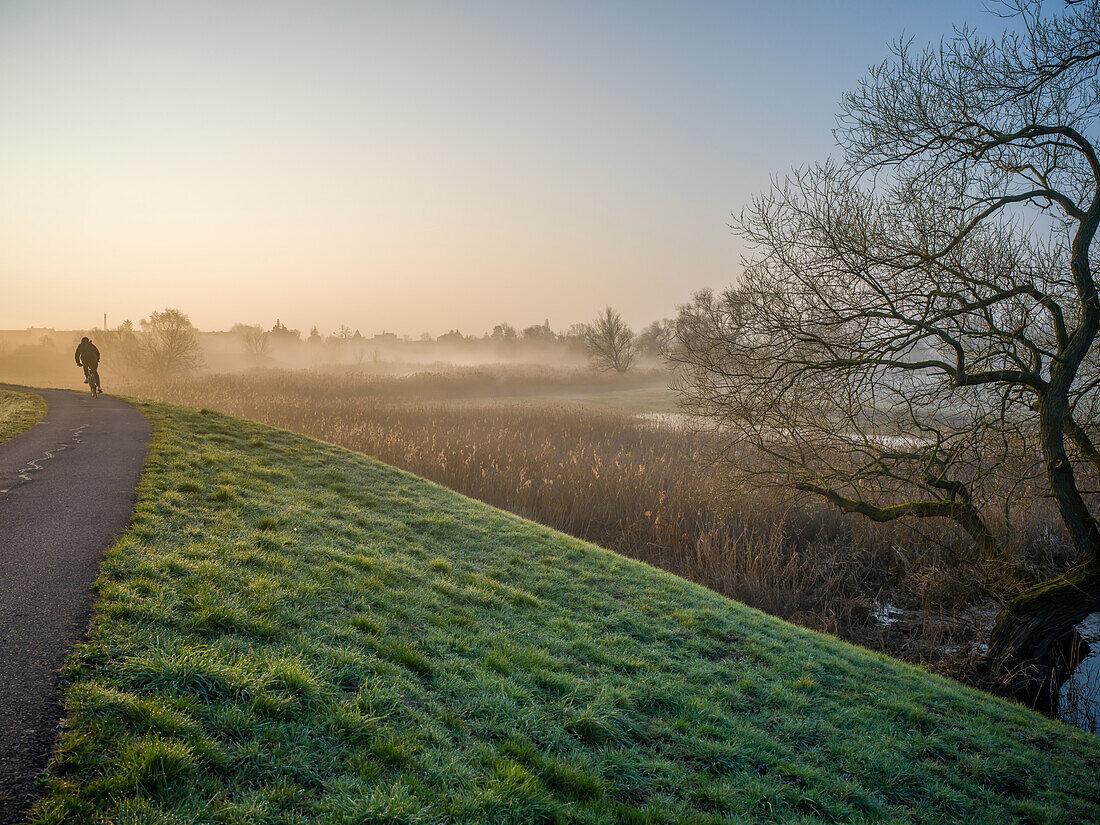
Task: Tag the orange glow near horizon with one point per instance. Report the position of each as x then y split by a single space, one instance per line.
412 168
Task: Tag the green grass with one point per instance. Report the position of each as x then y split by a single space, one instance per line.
19 411
293 633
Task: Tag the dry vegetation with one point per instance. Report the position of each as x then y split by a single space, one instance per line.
647 489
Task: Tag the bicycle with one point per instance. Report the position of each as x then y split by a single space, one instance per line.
93 382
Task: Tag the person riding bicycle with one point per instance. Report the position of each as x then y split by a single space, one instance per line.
87 356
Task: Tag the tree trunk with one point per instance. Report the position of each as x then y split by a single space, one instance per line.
1034 646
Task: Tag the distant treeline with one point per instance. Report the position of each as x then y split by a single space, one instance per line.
167 343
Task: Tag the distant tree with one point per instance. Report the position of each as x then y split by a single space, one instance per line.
451 337
426 337
539 333
655 339
610 342
503 332
917 333
504 338
255 340
169 345
573 338
121 347
281 334
315 336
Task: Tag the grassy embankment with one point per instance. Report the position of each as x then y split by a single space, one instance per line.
19 411
290 632
566 448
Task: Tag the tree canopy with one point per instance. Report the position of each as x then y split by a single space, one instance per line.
914 334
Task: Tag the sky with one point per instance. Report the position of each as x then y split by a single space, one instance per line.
409 167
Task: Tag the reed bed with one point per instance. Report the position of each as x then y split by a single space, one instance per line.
644 488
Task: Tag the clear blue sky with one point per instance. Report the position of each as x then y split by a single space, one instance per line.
407 166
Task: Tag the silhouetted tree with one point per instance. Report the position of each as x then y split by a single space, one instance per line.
610 342
915 335
451 337
573 338
255 340
121 348
654 340
539 333
169 345
503 332
281 334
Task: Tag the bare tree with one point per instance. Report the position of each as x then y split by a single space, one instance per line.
609 342
121 348
654 340
255 340
169 344
914 336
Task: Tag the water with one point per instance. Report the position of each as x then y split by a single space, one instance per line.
683 421
1080 698
677 421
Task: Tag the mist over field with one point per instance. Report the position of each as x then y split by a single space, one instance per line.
35 355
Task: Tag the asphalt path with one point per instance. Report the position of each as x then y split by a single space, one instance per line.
66 493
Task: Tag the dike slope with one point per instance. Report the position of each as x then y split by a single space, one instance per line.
290 632
19 411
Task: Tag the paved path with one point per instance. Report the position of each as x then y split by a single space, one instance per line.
66 492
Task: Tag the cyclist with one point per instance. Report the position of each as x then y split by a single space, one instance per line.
87 356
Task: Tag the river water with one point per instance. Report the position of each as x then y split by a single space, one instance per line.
1081 694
